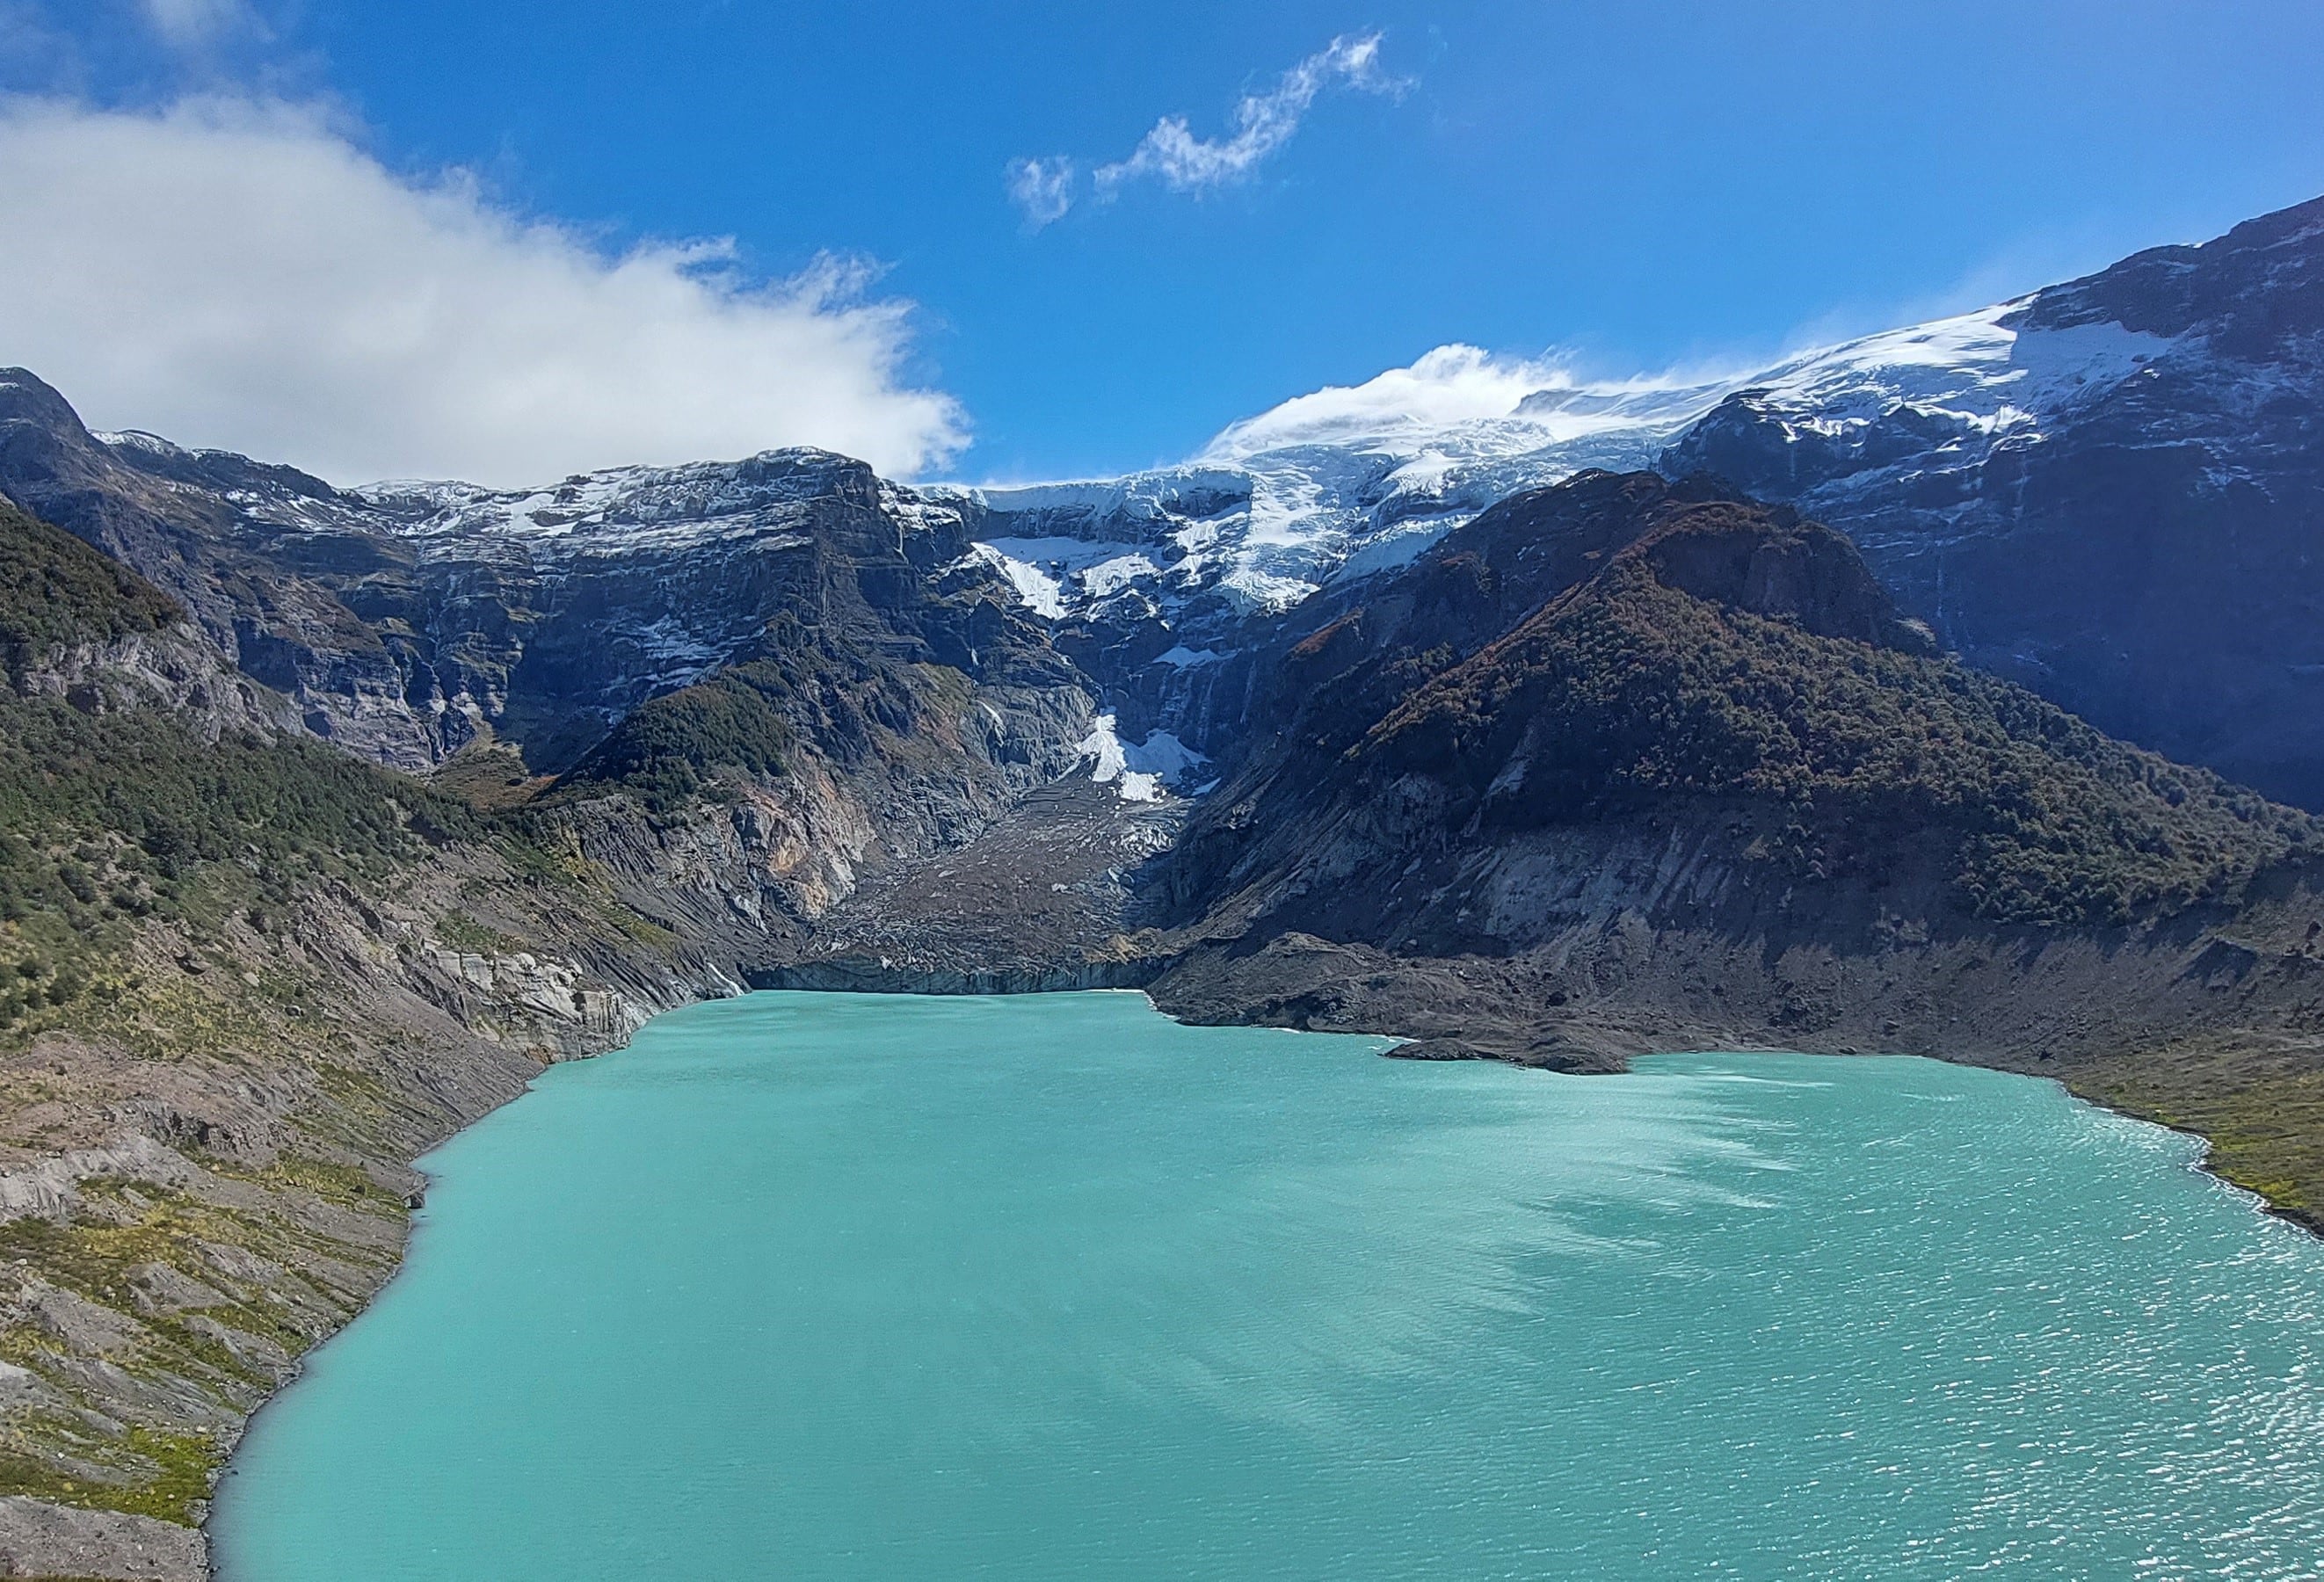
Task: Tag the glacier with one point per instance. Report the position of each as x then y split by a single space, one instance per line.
1350 482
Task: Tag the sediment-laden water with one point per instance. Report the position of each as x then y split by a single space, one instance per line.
1050 1287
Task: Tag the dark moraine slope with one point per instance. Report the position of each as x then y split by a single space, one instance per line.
1625 765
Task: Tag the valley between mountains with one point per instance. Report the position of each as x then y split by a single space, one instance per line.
1952 691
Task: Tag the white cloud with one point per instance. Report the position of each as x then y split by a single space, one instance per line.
1043 189
239 273
1452 384
1263 122
1456 384
189 25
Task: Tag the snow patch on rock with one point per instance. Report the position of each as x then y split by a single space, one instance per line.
1140 772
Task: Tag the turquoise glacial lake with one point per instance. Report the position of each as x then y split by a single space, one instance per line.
1050 1287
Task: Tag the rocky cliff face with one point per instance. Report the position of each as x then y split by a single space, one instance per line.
2110 491
256 555
407 620
245 981
842 641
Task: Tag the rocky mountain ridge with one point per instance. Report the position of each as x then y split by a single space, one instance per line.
408 622
2106 489
1618 647
2137 544
1546 774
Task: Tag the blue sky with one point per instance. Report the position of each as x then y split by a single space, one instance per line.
1634 185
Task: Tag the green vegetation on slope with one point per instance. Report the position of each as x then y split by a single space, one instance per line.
807 693
108 818
128 839
1633 693
667 751
2259 1105
53 587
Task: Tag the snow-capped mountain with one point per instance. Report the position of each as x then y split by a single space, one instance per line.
1341 483
2108 488
2111 490
1336 485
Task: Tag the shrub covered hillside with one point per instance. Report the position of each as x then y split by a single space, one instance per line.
1630 764
1632 692
109 818
1619 651
112 815
54 587
242 981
